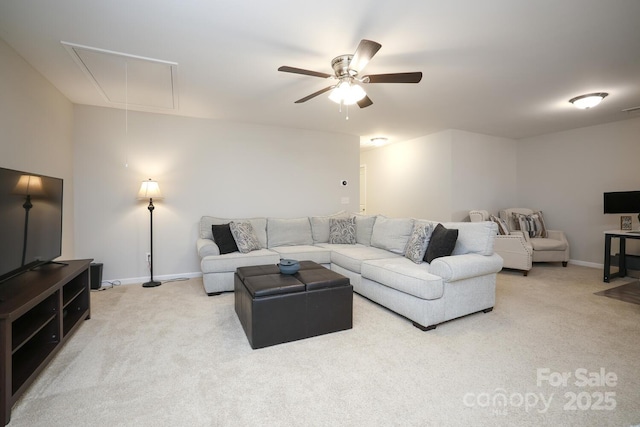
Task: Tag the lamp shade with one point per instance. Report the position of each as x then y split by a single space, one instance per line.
149 190
29 185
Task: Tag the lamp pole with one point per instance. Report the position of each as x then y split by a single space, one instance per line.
151 283
27 207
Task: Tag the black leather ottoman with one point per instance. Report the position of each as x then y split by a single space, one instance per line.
275 308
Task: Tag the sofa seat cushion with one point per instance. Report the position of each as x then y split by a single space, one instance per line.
404 275
304 252
230 262
547 244
351 257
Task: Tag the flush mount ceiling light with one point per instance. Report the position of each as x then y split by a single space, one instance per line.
588 101
379 141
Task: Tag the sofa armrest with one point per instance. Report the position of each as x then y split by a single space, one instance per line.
207 247
522 234
512 243
458 267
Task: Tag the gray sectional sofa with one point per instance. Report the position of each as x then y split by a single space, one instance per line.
375 262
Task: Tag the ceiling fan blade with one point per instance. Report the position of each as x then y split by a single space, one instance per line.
395 78
365 102
294 70
313 95
365 51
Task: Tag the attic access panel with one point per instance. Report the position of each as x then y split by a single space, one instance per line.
128 80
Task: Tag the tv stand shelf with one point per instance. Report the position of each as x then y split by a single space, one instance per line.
39 310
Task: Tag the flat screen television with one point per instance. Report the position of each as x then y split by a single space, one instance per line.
619 202
30 221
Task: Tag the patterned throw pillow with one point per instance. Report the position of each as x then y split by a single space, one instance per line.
532 224
502 225
244 236
342 231
418 241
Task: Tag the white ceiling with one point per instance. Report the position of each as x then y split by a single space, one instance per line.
498 67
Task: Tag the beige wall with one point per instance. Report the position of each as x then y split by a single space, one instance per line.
233 169
444 175
410 179
484 173
441 176
203 167
565 174
36 123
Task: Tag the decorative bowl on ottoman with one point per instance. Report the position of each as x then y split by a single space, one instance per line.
289 266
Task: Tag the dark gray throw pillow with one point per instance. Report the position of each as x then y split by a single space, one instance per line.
441 244
224 239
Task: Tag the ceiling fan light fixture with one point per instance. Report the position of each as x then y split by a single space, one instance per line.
590 100
347 93
347 70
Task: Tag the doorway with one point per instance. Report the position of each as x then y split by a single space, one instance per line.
363 189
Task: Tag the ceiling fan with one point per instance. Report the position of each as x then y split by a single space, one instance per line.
347 70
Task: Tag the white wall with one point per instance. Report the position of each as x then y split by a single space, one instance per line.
36 126
441 176
203 167
565 174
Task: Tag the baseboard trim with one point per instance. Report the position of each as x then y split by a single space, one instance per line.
164 278
586 264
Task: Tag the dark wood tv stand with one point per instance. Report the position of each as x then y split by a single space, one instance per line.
39 310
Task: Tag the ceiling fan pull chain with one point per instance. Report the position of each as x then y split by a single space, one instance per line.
347 105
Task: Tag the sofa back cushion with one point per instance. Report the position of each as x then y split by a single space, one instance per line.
391 234
320 226
288 232
474 237
259 227
364 228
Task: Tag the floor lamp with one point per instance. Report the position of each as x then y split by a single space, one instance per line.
150 190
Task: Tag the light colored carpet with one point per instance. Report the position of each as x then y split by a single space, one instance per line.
172 356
